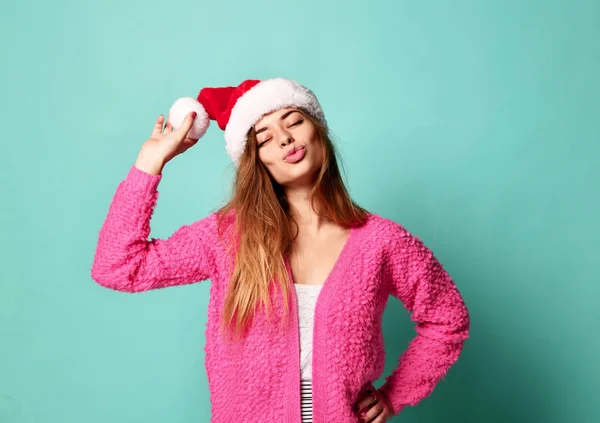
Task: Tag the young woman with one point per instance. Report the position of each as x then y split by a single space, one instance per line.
300 274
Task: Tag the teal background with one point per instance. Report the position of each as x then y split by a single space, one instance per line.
472 123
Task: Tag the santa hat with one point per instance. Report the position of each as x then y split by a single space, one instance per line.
237 109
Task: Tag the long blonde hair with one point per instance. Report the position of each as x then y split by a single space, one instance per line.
263 228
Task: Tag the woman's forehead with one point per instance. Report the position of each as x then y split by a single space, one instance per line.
274 116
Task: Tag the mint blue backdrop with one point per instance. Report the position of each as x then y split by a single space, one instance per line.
473 123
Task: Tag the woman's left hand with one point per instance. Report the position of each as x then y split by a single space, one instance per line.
373 406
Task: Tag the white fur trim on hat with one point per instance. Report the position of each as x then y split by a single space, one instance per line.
265 97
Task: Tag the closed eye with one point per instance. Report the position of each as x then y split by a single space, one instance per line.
293 124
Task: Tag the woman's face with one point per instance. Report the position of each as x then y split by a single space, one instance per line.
284 131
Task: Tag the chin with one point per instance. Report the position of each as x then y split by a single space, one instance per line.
303 172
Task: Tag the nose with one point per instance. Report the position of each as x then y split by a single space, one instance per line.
286 139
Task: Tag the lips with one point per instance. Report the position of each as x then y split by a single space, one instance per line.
296 156
294 153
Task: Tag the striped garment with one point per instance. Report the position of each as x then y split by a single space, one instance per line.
307 295
306 401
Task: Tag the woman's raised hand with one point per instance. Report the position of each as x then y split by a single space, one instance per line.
165 144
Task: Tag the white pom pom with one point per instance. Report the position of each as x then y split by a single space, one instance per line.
181 108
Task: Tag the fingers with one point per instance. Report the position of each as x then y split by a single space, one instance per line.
367 400
186 125
371 406
370 415
168 128
381 417
158 125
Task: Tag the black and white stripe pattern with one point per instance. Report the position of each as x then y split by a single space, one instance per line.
306 401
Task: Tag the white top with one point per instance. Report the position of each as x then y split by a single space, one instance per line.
307 298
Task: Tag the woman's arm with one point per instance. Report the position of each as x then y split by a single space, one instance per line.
125 260
417 278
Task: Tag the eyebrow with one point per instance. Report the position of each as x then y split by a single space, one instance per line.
281 118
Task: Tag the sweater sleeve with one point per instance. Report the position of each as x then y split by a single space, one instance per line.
417 278
125 260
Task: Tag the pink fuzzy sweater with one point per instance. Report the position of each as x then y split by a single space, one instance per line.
259 380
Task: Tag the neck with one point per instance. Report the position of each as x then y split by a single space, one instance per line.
302 211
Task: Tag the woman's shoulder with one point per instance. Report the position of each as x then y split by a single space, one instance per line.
383 227
387 235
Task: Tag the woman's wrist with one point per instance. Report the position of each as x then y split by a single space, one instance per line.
152 167
386 400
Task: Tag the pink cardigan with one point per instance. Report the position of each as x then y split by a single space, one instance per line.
259 380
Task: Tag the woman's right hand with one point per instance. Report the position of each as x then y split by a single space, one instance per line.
162 146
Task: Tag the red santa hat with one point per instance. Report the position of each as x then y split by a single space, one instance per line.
237 109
